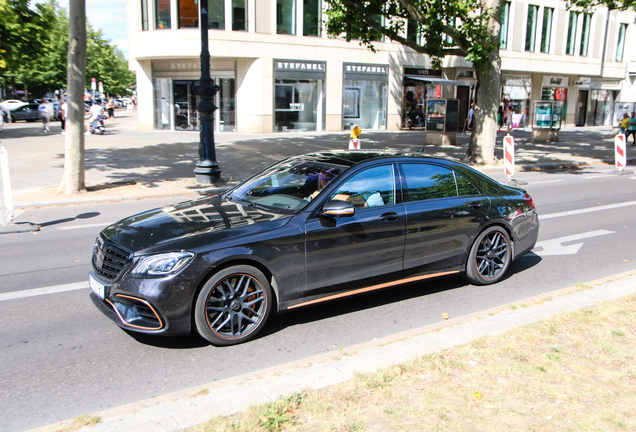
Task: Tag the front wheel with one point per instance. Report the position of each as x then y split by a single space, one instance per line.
489 257
233 306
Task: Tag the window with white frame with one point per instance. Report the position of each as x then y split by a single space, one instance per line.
570 43
620 46
585 34
286 17
504 14
546 31
531 27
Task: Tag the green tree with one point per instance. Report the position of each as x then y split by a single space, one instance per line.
589 5
466 28
106 64
25 33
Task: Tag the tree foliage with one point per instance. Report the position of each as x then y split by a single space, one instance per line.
437 28
590 5
453 27
34 50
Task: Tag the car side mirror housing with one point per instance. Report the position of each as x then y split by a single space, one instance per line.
337 208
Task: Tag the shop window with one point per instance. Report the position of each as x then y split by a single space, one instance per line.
546 32
286 17
239 14
620 46
364 104
312 17
162 14
531 27
569 49
585 35
298 104
504 14
144 15
188 14
216 14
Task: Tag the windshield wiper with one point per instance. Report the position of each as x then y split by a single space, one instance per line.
249 203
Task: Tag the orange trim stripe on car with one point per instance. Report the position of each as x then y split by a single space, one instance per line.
139 300
373 288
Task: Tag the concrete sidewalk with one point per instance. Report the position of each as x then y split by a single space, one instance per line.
128 163
180 410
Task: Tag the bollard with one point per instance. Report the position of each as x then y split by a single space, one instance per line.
6 198
620 155
354 142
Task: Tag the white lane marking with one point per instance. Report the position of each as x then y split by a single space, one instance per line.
554 246
546 181
83 226
596 176
41 291
587 210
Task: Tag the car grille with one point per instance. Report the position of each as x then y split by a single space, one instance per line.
110 261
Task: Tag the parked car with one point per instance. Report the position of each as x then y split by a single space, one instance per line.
11 104
118 103
28 112
309 229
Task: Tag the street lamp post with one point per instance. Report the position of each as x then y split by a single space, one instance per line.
207 170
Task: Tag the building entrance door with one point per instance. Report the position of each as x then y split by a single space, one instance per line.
582 108
185 106
463 94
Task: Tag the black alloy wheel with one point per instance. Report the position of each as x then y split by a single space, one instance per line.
489 257
233 305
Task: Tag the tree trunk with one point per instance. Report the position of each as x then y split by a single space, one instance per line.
481 148
73 178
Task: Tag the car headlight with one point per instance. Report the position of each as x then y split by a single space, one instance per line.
162 264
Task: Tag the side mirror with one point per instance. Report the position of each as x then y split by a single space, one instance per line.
337 208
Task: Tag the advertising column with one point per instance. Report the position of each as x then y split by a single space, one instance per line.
299 95
364 101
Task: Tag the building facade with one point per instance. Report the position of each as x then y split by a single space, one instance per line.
277 70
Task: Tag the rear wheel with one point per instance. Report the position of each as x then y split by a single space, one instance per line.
489 257
233 306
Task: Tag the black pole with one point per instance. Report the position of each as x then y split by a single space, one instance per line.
207 170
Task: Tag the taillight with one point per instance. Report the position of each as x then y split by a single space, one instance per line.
527 198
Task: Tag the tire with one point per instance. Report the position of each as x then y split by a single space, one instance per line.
233 306
489 257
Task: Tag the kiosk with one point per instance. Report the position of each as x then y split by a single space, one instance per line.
548 116
442 117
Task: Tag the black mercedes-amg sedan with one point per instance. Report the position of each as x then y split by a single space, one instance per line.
309 229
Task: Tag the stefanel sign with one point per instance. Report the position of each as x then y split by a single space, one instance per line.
555 81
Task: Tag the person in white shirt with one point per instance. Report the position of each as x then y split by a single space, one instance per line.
95 111
2 114
44 115
63 110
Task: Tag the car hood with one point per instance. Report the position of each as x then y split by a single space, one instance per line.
213 217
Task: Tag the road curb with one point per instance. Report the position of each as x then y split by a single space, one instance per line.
182 409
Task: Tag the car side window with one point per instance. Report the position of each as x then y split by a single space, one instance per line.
373 187
426 181
464 186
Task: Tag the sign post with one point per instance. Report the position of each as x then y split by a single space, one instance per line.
93 86
354 142
6 200
509 156
620 151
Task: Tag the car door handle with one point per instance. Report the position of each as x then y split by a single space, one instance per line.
475 205
389 217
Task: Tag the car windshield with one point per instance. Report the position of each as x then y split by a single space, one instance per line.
290 185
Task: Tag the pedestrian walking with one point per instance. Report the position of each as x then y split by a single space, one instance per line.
631 129
509 113
500 119
2 114
110 107
471 116
45 114
624 123
63 111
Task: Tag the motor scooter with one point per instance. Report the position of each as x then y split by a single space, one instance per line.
97 127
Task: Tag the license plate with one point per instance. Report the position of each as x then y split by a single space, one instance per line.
97 287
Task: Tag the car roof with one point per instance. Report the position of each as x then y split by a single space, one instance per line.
350 158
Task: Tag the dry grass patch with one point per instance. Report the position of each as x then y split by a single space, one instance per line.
573 372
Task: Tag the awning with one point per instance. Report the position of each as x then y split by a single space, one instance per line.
434 80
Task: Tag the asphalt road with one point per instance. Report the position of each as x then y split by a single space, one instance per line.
61 357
